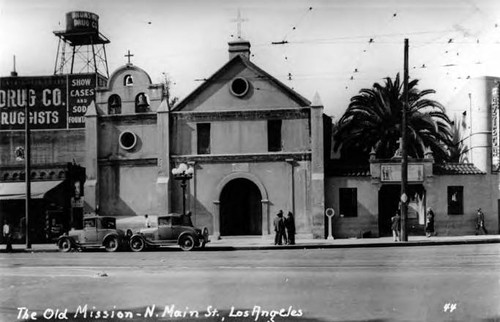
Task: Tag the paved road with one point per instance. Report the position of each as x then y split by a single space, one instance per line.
357 284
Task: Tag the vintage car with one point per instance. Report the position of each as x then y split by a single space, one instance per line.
97 232
170 230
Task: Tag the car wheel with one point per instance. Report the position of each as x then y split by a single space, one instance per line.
187 242
64 245
111 244
137 244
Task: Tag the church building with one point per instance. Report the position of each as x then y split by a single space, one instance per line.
255 147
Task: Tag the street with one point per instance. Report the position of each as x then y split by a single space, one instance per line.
432 283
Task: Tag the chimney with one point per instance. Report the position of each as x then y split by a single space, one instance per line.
239 47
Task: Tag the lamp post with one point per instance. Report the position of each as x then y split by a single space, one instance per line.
183 173
24 154
404 151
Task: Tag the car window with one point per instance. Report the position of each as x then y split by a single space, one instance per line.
164 221
108 223
89 223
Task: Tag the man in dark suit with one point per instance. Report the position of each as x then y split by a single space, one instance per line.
279 228
290 228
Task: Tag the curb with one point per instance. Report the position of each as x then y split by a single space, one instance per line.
310 246
360 245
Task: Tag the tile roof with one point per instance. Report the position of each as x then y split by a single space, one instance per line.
343 170
456 169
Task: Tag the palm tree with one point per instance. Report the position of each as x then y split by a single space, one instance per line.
373 121
457 149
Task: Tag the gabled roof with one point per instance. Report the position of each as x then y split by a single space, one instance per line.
456 169
300 100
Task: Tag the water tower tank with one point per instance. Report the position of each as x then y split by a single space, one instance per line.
82 21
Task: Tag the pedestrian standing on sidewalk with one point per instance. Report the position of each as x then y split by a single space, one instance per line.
396 220
7 236
279 229
186 219
480 227
429 222
290 228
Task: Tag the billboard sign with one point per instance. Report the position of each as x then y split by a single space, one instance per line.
81 92
54 102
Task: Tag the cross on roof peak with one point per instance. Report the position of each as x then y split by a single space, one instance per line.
238 21
128 55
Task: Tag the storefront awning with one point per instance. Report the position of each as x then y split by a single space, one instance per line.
17 190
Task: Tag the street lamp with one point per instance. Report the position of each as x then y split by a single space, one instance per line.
24 154
183 173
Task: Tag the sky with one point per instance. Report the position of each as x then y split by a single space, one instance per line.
334 48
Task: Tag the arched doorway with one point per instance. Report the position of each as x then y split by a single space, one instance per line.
240 208
388 205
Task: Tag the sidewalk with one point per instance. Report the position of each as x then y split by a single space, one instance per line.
252 243
257 242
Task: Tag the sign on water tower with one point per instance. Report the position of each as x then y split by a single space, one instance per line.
78 21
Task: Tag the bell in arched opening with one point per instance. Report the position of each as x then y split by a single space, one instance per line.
141 103
114 105
128 80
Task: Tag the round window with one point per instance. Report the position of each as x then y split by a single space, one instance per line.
128 140
239 87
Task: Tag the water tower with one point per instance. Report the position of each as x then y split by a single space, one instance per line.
81 46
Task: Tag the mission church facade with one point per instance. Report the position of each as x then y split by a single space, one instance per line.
256 147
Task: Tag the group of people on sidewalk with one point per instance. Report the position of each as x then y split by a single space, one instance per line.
284 229
429 224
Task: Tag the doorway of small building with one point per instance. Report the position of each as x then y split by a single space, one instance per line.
240 208
388 205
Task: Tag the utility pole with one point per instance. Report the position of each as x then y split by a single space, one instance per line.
27 160
404 151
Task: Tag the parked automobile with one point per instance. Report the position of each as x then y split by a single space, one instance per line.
97 232
170 230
